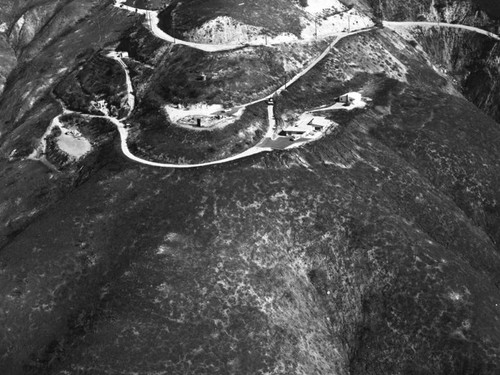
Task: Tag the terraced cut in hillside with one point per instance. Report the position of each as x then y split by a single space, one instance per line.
280 16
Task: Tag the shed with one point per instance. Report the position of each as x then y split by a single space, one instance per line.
295 130
320 123
346 99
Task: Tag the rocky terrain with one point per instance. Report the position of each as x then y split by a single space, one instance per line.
469 58
374 250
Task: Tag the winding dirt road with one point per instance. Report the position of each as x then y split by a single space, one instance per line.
152 17
392 24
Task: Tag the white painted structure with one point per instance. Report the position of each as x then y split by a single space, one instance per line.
346 99
320 123
297 130
270 114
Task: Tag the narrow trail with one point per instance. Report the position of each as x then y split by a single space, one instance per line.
393 24
128 81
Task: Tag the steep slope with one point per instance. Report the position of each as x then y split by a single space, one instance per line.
27 107
7 61
374 250
471 59
409 10
276 17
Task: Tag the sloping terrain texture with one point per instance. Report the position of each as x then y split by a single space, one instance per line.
375 250
470 58
274 16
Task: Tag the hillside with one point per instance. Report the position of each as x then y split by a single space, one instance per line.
276 16
372 248
391 9
472 60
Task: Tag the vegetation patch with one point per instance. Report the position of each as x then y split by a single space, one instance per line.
154 138
276 17
190 76
98 83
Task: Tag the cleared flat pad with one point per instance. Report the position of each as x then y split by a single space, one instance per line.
73 145
280 143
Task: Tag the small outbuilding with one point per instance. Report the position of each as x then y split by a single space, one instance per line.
346 99
319 123
295 130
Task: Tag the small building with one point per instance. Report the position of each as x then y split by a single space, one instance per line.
304 120
202 77
319 123
101 106
346 99
295 130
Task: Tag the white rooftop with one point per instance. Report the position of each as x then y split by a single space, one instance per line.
297 129
320 121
